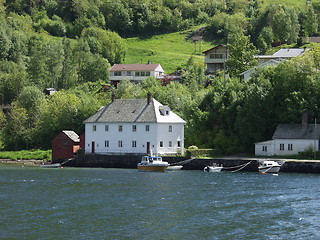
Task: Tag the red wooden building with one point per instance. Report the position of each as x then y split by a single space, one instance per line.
65 145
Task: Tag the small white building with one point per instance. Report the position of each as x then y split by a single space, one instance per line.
135 72
134 126
290 139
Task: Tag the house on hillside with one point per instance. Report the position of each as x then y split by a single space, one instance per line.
284 53
65 145
134 126
134 72
290 139
215 58
247 74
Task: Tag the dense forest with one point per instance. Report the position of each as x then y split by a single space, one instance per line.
69 45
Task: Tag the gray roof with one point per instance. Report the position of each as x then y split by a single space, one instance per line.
296 131
290 52
72 135
125 110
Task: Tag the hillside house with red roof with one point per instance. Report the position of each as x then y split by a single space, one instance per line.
134 72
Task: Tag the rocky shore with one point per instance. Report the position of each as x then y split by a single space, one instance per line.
24 162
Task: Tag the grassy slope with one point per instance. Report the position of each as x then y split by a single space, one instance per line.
170 50
297 3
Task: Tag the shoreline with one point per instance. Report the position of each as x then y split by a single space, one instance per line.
29 162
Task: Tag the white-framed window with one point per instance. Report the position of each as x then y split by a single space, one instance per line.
178 144
281 147
118 73
289 147
128 73
147 128
137 74
106 143
170 144
134 128
94 128
170 128
106 128
120 128
120 144
161 144
147 73
264 148
134 144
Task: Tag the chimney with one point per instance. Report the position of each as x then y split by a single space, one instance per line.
149 98
113 97
304 120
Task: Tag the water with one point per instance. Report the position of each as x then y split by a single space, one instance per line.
82 203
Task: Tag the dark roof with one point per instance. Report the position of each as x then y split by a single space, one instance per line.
134 67
125 110
296 131
221 45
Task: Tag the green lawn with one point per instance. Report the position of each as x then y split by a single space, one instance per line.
26 155
170 50
296 3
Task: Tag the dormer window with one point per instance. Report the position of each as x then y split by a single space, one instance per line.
164 110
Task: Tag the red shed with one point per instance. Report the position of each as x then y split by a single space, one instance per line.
65 145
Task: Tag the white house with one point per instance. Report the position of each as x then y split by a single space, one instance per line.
215 58
290 139
247 74
134 126
135 72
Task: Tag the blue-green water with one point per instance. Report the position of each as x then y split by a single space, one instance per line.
82 203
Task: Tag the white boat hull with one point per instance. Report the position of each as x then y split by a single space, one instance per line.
212 169
173 168
54 165
274 169
269 166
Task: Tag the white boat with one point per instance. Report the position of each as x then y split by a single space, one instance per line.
269 166
214 168
152 163
174 168
53 165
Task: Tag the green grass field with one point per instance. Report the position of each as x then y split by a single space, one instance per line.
296 3
170 50
26 155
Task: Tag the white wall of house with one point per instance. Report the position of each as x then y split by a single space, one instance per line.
264 148
282 147
133 138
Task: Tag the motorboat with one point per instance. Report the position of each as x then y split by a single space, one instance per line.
52 165
152 163
213 168
174 167
268 166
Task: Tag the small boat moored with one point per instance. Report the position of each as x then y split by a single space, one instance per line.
152 163
175 167
268 166
53 165
213 168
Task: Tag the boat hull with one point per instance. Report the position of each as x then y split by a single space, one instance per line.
212 169
152 168
173 168
274 169
54 165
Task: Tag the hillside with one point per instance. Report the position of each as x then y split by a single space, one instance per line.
170 50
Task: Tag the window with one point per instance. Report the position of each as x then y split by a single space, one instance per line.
128 73
134 128
134 144
137 74
170 128
281 146
120 128
147 128
264 148
215 56
119 144
178 144
161 144
94 128
106 128
289 147
147 73
118 73
170 144
106 143
143 73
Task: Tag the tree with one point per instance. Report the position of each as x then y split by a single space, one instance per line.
241 54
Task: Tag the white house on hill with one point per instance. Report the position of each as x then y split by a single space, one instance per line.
135 72
134 126
290 139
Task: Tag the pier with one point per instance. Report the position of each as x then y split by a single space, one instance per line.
229 163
